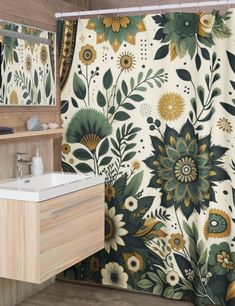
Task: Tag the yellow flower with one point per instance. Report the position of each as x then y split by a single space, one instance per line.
14 97
43 55
87 54
225 125
206 23
126 61
110 192
28 63
66 149
116 23
171 106
177 241
94 264
135 165
224 260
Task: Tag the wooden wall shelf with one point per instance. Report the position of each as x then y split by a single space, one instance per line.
26 134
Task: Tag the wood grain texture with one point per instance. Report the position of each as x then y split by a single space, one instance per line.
44 238
70 294
103 4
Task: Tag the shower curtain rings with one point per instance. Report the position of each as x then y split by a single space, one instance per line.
140 11
98 11
198 7
180 7
118 14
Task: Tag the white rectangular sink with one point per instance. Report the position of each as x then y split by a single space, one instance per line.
46 186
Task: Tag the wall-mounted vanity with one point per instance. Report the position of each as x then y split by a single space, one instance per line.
60 226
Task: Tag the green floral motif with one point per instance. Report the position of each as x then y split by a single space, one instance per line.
185 24
184 33
88 127
222 260
185 168
116 30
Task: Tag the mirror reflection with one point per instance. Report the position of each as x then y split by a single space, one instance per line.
27 66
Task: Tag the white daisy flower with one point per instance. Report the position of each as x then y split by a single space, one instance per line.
113 229
172 278
133 264
131 203
113 275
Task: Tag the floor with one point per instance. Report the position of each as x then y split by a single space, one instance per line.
76 294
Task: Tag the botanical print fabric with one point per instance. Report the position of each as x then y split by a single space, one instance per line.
27 69
148 102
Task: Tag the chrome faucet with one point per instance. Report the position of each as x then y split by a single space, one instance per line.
20 163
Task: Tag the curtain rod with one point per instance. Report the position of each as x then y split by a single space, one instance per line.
141 9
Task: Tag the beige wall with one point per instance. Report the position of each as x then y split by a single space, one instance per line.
38 13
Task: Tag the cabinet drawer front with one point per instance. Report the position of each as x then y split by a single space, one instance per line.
71 229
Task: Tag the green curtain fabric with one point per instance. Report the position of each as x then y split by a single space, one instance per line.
149 103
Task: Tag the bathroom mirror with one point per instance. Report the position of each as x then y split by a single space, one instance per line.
27 66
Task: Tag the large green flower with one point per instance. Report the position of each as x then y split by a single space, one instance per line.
117 29
88 127
222 260
184 33
185 24
185 169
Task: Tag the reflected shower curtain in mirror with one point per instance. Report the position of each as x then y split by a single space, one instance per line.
148 102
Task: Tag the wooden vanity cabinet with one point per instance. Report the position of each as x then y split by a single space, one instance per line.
41 239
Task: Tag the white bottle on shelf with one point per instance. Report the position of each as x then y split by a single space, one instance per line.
37 164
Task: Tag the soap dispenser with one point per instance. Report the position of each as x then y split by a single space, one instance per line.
37 164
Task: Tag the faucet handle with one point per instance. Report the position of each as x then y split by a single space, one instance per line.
20 155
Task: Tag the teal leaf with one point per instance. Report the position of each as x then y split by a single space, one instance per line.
188 229
121 116
101 99
79 87
128 156
140 76
104 147
119 97
16 58
208 116
184 75
198 62
48 85
84 168
205 54
136 98
105 161
74 102
229 108
128 106
144 283
231 58
158 289
39 97
108 79
36 78
9 77
134 184
168 292
132 83
201 94
162 52
124 88
82 154
67 167
64 106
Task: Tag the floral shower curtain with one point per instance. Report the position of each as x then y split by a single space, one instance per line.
148 102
